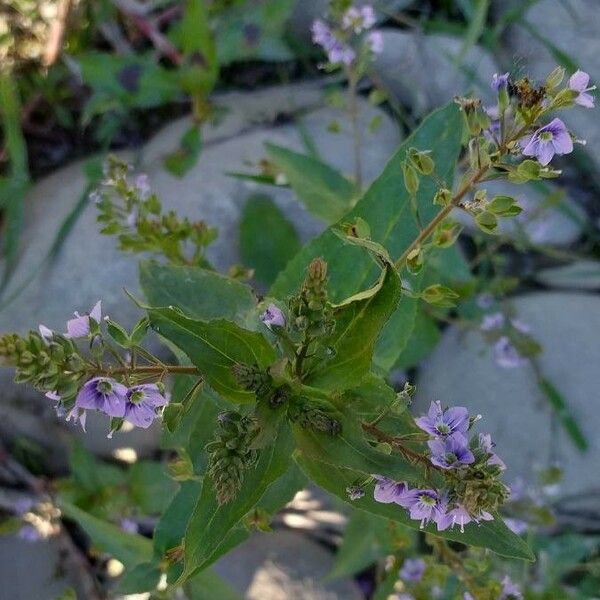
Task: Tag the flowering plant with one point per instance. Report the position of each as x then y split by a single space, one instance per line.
264 394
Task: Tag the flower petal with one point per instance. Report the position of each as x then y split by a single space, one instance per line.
579 81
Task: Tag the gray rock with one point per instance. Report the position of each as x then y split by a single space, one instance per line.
31 569
284 565
582 274
89 267
572 27
421 69
541 222
461 371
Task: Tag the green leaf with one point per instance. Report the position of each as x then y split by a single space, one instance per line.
561 408
214 347
207 585
268 241
366 540
211 523
358 323
180 161
131 549
386 207
142 578
349 448
325 192
150 487
197 292
494 535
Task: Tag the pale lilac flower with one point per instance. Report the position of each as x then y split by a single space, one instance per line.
547 141
578 82
424 505
359 19
142 186
132 217
321 33
493 321
273 317
468 596
103 394
77 414
517 526
375 42
388 491
129 525
412 570
80 326
45 332
499 81
485 300
510 590
506 355
520 326
141 404
340 53
460 516
440 422
487 445
95 197
518 490
29 533
450 452
23 505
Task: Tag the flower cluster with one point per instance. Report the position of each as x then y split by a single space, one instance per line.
137 405
472 489
340 43
511 341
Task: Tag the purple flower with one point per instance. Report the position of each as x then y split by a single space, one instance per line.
375 42
506 355
103 394
510 590
518 490
450 452
493 321
77 414
321 33
499 81
80 326
273 317
339 53
141 404
129 525
359 19
517 526
23 505
388 491
487 445
142 186
520 326
578 82
547 141
29 533
440 422
460 516
424 505
45 332
485 300
412 570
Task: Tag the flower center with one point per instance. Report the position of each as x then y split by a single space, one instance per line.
427 500
442 428
546 136
450 458
136 397
104 387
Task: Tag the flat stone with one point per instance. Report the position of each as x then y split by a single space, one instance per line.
540 222
461 371
284 565
421 69
31 570
572 27
89 267
581 274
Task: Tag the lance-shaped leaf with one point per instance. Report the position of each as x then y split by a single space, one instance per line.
386 207
199 293
325 192
494 535
349 448
215 347
211 523
358 323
